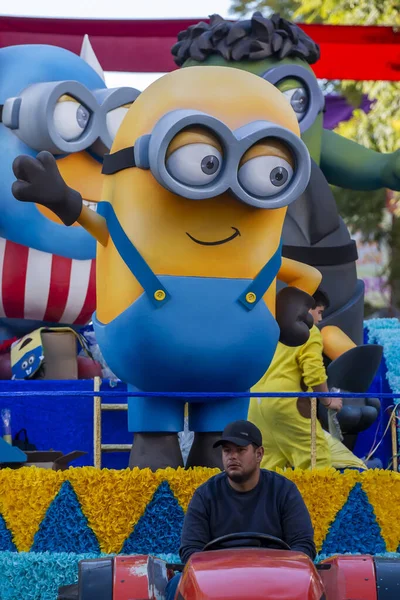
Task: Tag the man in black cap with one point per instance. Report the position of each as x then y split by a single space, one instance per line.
244 498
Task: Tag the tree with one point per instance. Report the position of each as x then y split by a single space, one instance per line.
335 12
379 130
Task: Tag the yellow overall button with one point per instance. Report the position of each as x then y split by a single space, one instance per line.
251 297
159 295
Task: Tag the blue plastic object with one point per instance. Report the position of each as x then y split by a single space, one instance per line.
10 454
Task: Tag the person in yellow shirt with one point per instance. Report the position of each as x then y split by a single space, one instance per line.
285 422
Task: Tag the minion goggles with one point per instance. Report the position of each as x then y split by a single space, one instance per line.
31 115
315 100
150 150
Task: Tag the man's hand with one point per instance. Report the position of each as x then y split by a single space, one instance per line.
332 403
292 316
391 172
39 181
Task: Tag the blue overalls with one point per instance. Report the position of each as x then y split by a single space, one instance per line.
204 334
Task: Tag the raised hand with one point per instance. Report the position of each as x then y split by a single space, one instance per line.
292 316
39 181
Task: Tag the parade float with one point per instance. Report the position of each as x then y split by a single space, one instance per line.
149 281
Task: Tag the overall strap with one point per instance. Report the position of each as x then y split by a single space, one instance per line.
257 288
156 292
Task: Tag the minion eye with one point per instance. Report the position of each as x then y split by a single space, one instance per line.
70 119
195 164
299 100
265 176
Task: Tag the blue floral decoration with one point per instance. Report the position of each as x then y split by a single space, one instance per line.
355 529
159 529
64 527
386 332
30 576
6 541
33 576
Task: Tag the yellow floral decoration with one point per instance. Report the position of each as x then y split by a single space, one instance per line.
383 492
114 501
324 492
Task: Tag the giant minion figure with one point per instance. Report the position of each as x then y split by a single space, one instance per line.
54 100
189 249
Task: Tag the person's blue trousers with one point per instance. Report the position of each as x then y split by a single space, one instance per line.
172 586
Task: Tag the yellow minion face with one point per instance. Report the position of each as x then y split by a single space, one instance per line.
27 355
216 236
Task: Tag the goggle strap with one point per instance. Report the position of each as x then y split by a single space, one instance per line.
118 161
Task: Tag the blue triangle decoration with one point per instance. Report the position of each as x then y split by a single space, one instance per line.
159 529
355 528
64 527
6 541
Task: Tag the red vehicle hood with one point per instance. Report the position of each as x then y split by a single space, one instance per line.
250 574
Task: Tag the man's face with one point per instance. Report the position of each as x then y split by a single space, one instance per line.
241 462
317 314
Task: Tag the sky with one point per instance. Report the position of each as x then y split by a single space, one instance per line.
119 9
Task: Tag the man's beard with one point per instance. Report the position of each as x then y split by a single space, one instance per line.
241 477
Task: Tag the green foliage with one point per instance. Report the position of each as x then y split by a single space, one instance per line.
348 12
335 12
380 129
363 211
286 8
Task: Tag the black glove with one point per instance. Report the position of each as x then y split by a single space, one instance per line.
39 181
292 316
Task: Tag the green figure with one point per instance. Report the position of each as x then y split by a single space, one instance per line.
314 233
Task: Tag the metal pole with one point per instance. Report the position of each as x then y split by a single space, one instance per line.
394 439
313 433
97 425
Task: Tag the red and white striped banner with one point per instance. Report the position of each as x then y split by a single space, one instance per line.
46 287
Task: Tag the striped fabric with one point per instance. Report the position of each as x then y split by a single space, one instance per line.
45 287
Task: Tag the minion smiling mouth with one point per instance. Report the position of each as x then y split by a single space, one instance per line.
218 242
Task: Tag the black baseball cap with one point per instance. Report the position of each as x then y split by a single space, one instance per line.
241 433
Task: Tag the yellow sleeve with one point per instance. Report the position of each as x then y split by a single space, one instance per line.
310 360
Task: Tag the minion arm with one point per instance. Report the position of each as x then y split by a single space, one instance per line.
335 341
39 180
299 275
94 224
